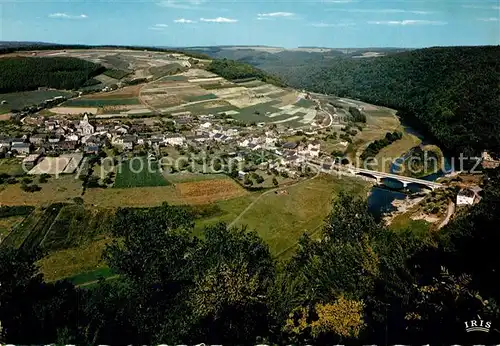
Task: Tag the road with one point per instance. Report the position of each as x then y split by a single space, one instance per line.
449 213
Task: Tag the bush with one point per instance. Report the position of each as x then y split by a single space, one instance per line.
7 211
44 177
30 188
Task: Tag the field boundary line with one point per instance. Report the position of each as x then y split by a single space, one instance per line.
112 277
16 226
314 231
50 227
262 195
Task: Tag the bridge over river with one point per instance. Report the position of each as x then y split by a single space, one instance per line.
402 179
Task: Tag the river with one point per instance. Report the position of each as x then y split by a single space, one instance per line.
381 197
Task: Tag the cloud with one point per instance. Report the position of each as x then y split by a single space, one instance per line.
408 22
67 16
482 7
218 20
184 21
182 4
276 14
490 19
383 10
331 25
158 27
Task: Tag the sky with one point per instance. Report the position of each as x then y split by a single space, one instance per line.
290 23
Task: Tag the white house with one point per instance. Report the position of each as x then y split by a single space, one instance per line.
174 140
85 127
468 196
244 143
71 137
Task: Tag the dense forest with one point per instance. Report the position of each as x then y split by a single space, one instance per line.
234 70
453 93
360 283
23 73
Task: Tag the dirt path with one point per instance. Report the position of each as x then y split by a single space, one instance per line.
449 213
141 100
96 281
262 195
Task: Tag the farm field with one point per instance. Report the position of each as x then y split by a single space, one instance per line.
396 149
208 191
7 224
139 172
378 123
32 230
11 167
76 225
82 102
183 177
61 189
87 278
150 196
73 261
280 219
126 92
20 100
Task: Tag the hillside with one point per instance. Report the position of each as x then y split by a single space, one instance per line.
234 70
24 73
452 92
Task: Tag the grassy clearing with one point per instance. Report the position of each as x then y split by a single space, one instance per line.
229 210
81 102
185 177
139 172
76 225
378 123
11 166
395 150
61 189
280 219
7 224
91 276
20 100
70 262
132 197
404 222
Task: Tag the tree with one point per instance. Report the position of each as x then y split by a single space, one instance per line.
27 303
247 181
342 319
275 181
44 177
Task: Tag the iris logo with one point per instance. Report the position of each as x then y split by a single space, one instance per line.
478 325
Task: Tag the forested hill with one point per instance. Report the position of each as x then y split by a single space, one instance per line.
453 92
22 73
234 70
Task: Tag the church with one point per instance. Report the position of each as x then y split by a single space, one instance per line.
85 127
